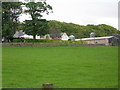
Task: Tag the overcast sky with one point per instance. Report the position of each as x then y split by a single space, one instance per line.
83 12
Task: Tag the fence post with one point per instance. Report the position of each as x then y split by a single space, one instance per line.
47 86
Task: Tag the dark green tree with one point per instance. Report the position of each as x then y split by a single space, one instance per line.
36 26
10 15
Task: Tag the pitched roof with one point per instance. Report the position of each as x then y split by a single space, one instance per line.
107 37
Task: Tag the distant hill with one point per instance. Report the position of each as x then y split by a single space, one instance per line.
80 31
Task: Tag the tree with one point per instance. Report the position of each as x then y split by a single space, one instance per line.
36 26
40 27
54 29
10 14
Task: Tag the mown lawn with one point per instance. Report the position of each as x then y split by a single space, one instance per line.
65 67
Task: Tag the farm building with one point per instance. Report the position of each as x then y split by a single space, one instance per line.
108 40
64 36
21 34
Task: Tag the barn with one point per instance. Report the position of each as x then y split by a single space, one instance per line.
108 40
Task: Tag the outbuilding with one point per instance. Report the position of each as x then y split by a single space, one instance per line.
108 40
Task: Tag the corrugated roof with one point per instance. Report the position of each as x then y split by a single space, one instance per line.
107 37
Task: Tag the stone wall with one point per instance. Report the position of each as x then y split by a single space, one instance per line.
47 44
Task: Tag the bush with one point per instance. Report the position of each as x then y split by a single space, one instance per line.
18 40
38 40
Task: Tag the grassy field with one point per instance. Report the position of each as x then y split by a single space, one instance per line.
65 67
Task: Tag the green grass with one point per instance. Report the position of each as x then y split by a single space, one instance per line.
0 65
65 67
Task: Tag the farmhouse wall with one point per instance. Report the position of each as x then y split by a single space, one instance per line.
98 41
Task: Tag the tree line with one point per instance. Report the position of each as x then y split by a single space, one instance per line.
80 31
38 26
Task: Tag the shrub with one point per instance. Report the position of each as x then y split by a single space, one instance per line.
18 40
57 39
38 40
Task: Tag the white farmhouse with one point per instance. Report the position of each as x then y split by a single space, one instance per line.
64 36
